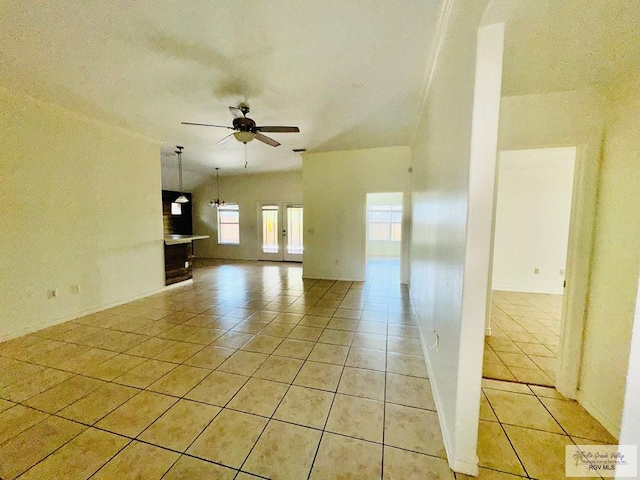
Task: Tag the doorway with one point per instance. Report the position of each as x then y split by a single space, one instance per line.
280 227
383 237
532 218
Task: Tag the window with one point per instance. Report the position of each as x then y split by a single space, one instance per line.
270 228
176 208
294 230
385 223
229 225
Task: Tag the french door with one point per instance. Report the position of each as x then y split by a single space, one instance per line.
280 231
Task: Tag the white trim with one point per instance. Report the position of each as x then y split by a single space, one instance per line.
432 61
520 290
173 286
578 266
330 277
58 321
598 415
630 425
466 466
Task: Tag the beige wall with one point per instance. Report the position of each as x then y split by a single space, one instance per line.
533 206
605 257
247 191
616 258
335 187
440 195
81 206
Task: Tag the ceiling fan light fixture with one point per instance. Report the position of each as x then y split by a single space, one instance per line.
244 137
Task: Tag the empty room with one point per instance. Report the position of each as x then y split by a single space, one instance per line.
319 240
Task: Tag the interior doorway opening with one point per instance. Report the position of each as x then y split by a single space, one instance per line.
384 237
532 217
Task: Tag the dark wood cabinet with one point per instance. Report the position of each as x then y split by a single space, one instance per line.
178 258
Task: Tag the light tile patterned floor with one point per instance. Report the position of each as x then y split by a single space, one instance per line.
525 329
249 370
524 430
254 373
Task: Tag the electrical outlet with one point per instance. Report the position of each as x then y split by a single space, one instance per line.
562 271
536 271
74 289
53 293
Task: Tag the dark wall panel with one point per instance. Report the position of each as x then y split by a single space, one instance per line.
176 224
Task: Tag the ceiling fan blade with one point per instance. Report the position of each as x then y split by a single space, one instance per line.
236 112
267 140
206 125
278 129
224 139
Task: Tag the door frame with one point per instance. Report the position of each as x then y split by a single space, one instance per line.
578 262
282 255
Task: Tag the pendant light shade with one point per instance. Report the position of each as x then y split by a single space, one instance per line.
218 202
182 198
244 137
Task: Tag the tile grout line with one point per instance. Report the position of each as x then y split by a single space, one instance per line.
182 363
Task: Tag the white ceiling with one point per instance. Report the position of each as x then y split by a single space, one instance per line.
349 74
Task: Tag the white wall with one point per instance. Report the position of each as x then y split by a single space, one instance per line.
440 259
247 191
603 267
335 186
616 261
553 119
532 219
630 429
81 206
379 248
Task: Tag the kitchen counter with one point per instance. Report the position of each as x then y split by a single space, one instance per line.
178 257
178 239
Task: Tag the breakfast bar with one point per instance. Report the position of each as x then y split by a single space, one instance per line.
178 256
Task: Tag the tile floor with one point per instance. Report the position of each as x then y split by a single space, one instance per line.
524 430
253 372
524 337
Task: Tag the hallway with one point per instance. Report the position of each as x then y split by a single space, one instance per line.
253 372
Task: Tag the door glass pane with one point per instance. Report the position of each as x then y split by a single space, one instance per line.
294 230
270 229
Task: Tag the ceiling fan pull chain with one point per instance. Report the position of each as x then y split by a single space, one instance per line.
245 156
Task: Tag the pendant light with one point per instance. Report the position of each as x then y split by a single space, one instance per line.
218 202
182 198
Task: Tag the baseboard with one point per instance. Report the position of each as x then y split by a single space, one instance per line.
467 467
525 290
50 323
184 283
459 465
328 277
598 415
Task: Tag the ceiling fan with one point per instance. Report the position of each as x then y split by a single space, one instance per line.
246 129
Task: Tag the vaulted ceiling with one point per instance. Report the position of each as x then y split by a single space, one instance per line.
559 45
349 74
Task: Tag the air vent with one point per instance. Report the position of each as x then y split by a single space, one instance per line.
299 150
